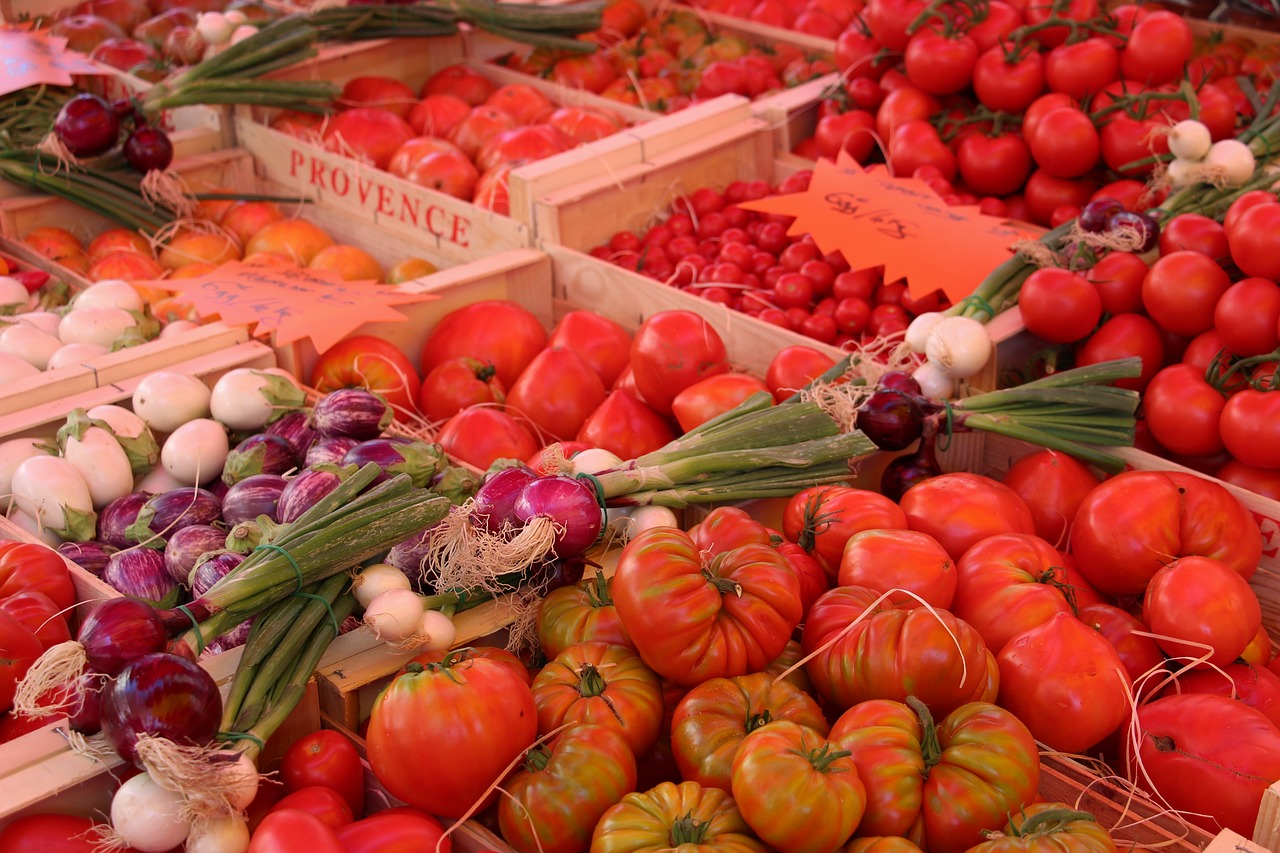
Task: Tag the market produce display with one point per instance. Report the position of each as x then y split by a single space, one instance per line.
539 555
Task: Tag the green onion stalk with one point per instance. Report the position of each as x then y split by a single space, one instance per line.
999 290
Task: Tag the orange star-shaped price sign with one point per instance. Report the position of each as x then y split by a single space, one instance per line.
291 304
873 218
31 58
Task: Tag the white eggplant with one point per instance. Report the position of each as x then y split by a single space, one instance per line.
52 490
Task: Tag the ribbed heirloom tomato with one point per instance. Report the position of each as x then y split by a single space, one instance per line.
821 519
580 613
683 816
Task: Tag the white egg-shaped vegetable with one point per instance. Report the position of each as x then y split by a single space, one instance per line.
166 399
644 518
98 457
109 293
13 292
159 480
196 452
1189 140
45 321
177 327
245 399
213 27
29 344
95 326
13 453
394 615
123 422
75 355
33 526
148 817
243 32
13 368
221 835
52 490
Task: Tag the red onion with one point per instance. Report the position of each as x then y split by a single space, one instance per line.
293 428
185 548
90 556
147 148
140 573
891 419
353 412
118 516
87 125
907 470
328 451
161 695
570 503
259 454
495 500
120 630
86 717
251 497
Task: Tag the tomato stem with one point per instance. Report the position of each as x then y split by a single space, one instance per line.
598 591
930 748
823 757
590 682
1048 822
687 830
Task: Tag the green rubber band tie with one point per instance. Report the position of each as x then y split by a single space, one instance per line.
233 737
298 569
195 626
946 429
599 487
982 305
320 598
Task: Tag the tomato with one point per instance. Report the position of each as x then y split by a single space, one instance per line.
25 567
441 734
673 815
1044 194
1128 636
938 784
460 81
1053 485
852 132
1118 278
1209 756
693 619
961 509
713 396
793 367
796 789
292 829
582 612
1253 240
888 21
1059 306
330 806
1248 419
947 667
938 64
1065 682
1194 233
495 654
726 528
993 165
1181 291
1127 141
821 519
1197 602
1255 686
710 721
398 832
327 758
1050 826
556 392
857 56
453 385
625 426
884 560
499 332
1247 317
1009 86
19 648
480 435
368 134
1157 49
38 613
554 802
901 106
917 143
1126 336
1264 481
1130 525
365 361
1183 411
51 833
598 341
1065 143
600 683
1081 68
671 351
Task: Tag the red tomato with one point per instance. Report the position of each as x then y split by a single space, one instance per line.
1126 336
961 509
1038 11
885 560
324 803
458 657
1255 686
598 341
713 396
1195 602
994 165
822 519
888 20
1195 233
1059 306
1118 278
1001 20
395 833
372 91
19 648
901 106
1247 317
1053 484
851 132
939 64
453 385
1254 237
365 361
1065 143
1157 49
291 830
480 435
460 81
1045 194
671 351
726 528
1082 68
1181 291
26 567
813 578
580 613
326 758
917 143
1065 682
1184 412
51 833
38 613
368 133
1248 427
793 367
556 393
625 426
1128 635
500 332
438 115
1264 481
1011 86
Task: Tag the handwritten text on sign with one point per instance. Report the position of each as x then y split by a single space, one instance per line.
292 304
34 58
873 218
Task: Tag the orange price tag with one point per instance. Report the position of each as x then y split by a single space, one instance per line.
29 58
872 218
292 303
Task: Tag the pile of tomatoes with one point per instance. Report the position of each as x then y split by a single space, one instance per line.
708 245
1028 108
670 60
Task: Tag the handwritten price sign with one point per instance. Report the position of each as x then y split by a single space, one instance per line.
292 304
32 58
873 218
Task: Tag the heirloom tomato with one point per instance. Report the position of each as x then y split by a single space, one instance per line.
939 784
442 733
821 519
1255 686
726 528
892 653
1128 635
604 684
554 801
683 816
798 791
496 654
813 578
882 843
885 560
961 509
711 720
37 612
19 648
694 619
1049 827
25 567
580 613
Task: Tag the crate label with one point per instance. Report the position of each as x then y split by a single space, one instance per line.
1270 535
35 58
352 181
292 303
871 217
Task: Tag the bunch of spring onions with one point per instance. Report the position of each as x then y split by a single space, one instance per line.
346 527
